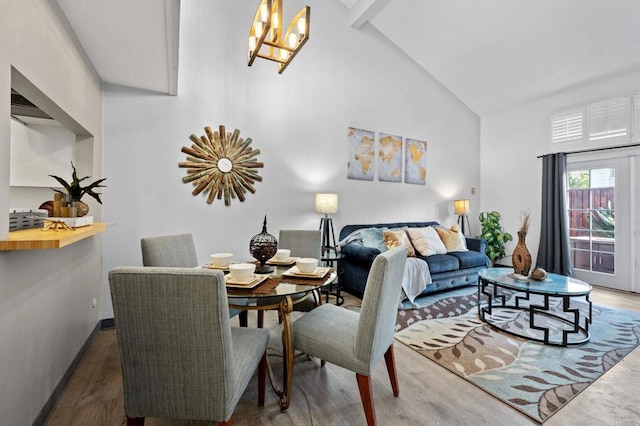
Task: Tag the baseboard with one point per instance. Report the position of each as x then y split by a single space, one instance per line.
107 323
59 389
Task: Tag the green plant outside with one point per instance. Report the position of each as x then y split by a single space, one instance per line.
495 236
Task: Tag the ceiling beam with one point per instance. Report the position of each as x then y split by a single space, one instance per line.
364 10
172 31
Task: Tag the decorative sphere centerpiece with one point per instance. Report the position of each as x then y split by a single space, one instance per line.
263 247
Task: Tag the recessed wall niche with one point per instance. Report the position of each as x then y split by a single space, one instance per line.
44 141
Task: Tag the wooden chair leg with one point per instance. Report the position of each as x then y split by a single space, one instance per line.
262 372
390 360
243 317
135 421
366 395
260 319
227 423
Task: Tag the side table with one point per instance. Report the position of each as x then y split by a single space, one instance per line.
332 258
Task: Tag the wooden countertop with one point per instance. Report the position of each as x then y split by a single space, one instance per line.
37 239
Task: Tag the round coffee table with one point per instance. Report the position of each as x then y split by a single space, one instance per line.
501 292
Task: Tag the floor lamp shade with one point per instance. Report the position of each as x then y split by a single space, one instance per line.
461 208
327 204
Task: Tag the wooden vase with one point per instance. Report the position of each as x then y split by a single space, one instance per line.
521 257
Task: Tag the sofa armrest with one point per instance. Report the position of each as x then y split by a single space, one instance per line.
477 244
360 254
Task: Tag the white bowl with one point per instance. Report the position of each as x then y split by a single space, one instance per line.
221 259
307 265
242 271
282 254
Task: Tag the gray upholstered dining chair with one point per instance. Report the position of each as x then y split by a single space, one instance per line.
358 341
179 251
180 357
302 243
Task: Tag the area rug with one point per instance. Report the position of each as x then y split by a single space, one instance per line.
536 379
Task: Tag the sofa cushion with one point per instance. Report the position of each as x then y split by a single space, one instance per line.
426 241
372 237
398 238
470 259
452 238
442 263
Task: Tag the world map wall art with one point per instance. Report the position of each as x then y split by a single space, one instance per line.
389 156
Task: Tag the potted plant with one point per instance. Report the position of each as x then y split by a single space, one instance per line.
75 192
495 236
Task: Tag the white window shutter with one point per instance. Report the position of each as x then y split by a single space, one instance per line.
636 116
609 121
567 126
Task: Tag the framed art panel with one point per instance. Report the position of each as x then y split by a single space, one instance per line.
389 158
361 154
415 164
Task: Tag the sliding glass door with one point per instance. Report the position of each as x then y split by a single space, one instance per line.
598 204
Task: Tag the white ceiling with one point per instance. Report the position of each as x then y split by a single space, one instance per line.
492 54
130 42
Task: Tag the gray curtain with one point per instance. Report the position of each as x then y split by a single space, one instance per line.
553 251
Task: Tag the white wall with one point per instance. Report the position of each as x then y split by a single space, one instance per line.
512 140
45 295
342 77
38 150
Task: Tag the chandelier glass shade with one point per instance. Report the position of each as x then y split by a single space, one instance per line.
267 39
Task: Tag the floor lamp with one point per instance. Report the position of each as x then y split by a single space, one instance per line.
327 204
461 208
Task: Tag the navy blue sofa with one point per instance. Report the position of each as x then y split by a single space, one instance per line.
448 271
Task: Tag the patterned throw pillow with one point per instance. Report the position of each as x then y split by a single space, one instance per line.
398 238
426 241
372 237
453 239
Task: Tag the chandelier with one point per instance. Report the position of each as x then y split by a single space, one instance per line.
267 40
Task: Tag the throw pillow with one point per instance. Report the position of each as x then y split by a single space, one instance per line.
398 238
452 238
426 241
372 237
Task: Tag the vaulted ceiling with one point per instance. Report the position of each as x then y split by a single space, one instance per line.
491 54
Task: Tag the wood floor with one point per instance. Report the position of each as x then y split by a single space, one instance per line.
429 394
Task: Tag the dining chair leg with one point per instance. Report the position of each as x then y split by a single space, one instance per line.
390 360
262 370
243 317
366 395
260 319
135 421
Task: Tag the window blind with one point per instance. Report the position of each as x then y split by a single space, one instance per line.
567 127
610 120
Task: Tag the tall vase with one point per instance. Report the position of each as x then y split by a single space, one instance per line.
521 257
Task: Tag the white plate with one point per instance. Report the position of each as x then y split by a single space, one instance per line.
295 272
251 282
284 262
221 268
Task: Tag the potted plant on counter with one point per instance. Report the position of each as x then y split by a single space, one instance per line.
495 236
75 191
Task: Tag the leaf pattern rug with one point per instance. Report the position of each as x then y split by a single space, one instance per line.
536 379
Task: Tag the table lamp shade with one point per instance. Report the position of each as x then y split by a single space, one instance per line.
461 206
327 203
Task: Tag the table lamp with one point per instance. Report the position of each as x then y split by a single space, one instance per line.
327 203
461 208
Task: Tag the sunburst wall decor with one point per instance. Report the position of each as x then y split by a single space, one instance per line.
222 165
